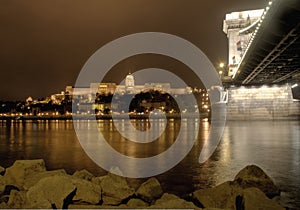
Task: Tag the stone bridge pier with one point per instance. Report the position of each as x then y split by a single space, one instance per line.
262 103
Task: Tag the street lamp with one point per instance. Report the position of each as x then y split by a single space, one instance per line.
221 68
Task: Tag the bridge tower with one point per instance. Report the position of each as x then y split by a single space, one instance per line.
239 27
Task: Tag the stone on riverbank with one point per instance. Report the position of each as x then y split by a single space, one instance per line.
245 192
231 196
115 189
253 176
149 190
84 174
136 203
17 173
75 189
86 191
253 198
50 192
32 179
172 201
222 196
56 189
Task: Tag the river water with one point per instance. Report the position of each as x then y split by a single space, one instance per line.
272 145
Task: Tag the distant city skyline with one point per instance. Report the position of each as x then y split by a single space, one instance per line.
44 44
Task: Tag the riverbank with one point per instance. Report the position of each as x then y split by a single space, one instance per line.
101 117
27 184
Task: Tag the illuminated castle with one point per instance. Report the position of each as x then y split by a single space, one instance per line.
129 88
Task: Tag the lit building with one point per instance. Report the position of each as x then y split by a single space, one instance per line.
129 81
164 87
129 87
239 27
104 88
58 98
85 99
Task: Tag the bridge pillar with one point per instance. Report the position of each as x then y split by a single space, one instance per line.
262 103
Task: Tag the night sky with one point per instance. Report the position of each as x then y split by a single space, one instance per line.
44 44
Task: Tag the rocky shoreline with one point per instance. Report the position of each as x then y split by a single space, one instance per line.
27 184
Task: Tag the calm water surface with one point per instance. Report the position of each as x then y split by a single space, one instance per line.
272 145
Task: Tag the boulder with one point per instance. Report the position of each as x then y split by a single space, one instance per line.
84 174
51 192
2 170
150 190
17 199
172 201
86 191
253 199
115 189
222 196
253 176
32 179
166 197
135 203
17 173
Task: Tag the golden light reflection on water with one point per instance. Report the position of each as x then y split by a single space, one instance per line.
133 149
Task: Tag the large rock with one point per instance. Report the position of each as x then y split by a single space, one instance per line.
222 196
255 199
229 195
60 190
50 192
17 199
150 190
17 173
253 176
84 174
86 191
135 203
115 189
172 201
32 179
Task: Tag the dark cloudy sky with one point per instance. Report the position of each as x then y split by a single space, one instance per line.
45 43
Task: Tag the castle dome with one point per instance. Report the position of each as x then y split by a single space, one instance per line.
129 81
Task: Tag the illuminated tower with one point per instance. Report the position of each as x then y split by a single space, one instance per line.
129 83
239 27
